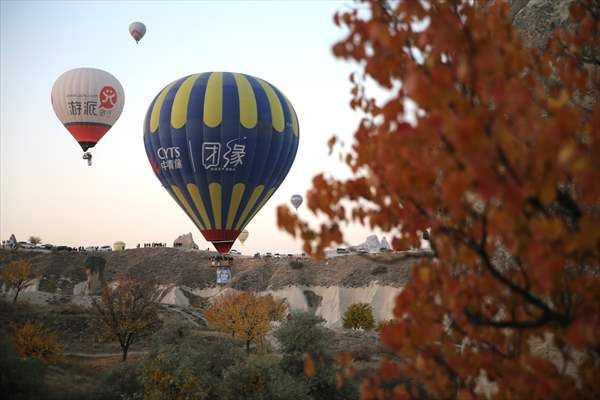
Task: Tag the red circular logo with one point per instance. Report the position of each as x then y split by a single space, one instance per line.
108 97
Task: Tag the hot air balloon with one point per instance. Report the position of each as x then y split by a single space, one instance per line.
137 30
296 200
243 236
88 102
221 143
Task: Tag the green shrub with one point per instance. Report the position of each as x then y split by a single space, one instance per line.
262 377
184 364
359 316
296 264
20 378
173 375
123 381
303 334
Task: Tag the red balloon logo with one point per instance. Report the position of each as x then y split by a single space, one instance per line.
108 97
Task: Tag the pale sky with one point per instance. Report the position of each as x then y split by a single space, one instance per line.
47 190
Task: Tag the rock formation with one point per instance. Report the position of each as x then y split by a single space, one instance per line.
538 19
12 241
94 270
385 244
313 300
372 243
185 242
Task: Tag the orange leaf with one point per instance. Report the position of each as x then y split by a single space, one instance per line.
309 366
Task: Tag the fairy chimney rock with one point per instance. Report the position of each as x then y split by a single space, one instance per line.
185 242
94 269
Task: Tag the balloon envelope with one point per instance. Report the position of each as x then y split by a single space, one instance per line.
243 236
137 30
296 201
221 144
88 102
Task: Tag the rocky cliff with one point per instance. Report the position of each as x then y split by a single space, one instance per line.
325 287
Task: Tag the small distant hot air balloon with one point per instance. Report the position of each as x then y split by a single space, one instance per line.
88 102
243 236
137 30
221 143
296 200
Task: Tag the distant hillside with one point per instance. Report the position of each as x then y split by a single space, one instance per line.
171 266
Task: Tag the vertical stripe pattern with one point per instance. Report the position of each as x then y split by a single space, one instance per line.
221 144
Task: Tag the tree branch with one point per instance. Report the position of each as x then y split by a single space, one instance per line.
452 151
507 164
479 249
553 316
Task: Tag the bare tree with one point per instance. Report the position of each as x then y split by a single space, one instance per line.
127 310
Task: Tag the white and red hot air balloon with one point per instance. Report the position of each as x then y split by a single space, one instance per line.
137 30
243 236
88 102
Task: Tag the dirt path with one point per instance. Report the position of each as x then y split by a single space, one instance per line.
189 314
101 355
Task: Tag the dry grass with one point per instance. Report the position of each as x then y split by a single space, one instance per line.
76 377
93 365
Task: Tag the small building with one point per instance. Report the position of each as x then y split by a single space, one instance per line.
118 246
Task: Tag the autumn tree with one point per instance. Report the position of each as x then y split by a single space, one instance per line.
224 313
35 239
127 311
276 308
17 275
245 315
33 339
500 160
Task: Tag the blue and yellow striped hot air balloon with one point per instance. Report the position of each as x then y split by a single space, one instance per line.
221 143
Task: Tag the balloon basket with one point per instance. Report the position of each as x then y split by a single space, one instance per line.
88 156
222 263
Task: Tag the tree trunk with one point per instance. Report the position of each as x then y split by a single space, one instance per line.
126 344
248 346
124 349
16 295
